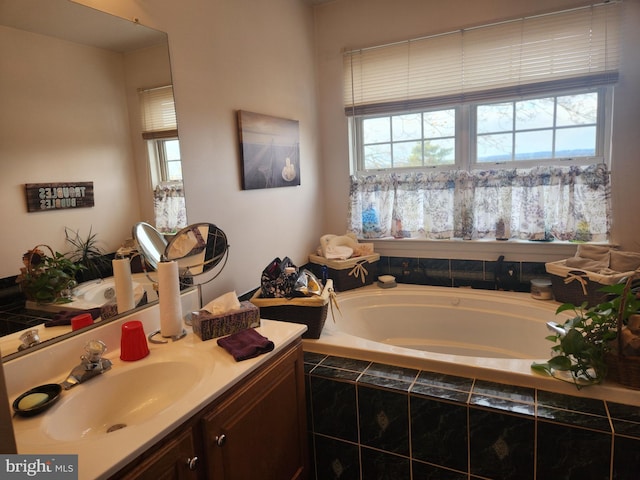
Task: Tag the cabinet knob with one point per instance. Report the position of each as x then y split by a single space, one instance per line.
221 439
192 463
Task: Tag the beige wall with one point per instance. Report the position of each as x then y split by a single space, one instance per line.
357 23
64 119
230 55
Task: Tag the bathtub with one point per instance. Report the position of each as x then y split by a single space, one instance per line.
483 334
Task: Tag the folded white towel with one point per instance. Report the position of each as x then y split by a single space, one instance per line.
338 252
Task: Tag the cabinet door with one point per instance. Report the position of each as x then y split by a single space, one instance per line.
174 460
259 432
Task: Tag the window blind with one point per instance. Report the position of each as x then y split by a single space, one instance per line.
569 49
158 113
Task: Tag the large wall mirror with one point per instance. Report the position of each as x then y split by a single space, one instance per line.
71 113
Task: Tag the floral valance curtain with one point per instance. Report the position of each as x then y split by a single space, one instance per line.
566 203
169 207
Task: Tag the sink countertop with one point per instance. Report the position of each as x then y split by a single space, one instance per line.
100 456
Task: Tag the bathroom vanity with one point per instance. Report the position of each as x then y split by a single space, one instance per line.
255 430
187 410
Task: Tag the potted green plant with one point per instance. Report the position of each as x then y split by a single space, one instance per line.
88 253
585 345
47 278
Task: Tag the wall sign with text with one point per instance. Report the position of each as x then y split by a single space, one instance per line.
57 196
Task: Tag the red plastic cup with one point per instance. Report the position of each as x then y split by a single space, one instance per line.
81 321
133 342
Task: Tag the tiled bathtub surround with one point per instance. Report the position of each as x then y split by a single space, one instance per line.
491 275
373 421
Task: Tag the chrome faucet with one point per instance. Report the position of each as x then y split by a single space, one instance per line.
92 364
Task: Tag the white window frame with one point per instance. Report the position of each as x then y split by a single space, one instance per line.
465 136
161 161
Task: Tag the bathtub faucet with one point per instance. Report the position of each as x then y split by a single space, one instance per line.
557 329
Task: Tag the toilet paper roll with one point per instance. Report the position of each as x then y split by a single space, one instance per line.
124 284
169 299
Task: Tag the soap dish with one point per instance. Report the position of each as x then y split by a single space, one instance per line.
387 281
37 399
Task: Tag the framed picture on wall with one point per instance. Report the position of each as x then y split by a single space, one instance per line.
269 150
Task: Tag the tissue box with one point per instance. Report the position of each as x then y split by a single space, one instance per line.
347 274
208 326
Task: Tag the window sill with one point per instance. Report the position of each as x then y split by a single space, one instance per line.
515 250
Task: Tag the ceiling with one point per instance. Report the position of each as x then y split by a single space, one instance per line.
77 23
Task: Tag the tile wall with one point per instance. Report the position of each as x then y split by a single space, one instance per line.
373 421
491 275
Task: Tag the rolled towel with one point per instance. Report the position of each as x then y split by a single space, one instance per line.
246 344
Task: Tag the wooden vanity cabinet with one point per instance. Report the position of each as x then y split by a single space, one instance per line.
259 430
256 430
173 459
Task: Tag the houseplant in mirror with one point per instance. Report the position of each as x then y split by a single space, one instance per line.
87 252
593 344
47 276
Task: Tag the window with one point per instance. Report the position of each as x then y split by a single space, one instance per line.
506 123
160 131
165 161
544 128
422 139
568 127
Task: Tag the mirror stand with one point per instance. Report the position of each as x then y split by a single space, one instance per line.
201 251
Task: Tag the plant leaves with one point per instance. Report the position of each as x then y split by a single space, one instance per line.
542 368
560 363
573 342
564 307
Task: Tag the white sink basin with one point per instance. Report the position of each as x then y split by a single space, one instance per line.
124 396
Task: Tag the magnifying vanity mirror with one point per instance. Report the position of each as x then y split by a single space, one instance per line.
201 250
152 243
120 57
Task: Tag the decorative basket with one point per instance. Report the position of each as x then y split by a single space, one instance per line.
623 369
347 274
571 285
309 311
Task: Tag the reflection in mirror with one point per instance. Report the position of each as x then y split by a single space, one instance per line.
198 249
150 242
53 137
